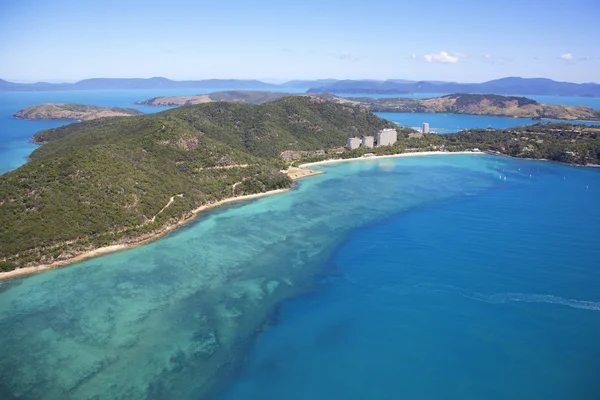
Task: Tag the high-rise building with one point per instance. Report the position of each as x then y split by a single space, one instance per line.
368 141
425 128
387 137
354 142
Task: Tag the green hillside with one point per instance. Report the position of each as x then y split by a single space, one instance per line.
117 180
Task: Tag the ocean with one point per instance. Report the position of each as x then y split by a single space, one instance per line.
417 277
449 276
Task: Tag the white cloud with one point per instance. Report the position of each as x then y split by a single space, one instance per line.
413 56
443 57
567 56
346 55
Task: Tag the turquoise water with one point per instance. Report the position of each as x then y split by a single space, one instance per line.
419 278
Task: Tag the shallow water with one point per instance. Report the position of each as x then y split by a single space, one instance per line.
422 277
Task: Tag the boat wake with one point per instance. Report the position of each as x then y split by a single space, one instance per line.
499 298
496 298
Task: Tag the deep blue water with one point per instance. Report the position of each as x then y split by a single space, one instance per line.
493 294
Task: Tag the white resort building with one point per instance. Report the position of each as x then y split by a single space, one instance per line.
387 137
368 141
354 142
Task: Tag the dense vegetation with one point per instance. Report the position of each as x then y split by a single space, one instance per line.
123 179
116 180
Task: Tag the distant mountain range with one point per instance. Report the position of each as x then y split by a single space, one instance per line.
137 83
513 85
522 86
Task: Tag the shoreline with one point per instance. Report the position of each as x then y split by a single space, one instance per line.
195 212
414 154
19 272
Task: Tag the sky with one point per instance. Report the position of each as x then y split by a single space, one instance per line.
461 40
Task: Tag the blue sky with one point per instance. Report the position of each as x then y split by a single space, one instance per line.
465 41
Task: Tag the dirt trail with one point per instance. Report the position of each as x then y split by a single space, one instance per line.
171 200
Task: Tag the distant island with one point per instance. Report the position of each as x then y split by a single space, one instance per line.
459 103
480 104
504 86
244 96
78 112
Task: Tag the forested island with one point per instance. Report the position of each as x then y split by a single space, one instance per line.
76 112
459 103
125 180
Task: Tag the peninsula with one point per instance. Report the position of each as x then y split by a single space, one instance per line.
75 112
110 183
459 103
123 181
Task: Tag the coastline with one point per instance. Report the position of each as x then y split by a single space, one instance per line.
19 272
295 175
134 243
415 154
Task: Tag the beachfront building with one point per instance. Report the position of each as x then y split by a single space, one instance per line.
425 128
387 137
354 142
368 141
